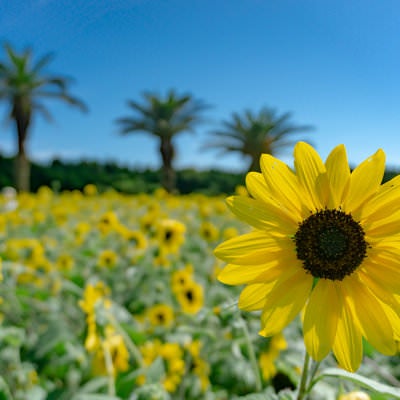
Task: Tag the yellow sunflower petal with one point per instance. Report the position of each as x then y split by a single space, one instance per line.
338 171
283 265
256 214
282 183
233 274
394 318
252 248
321 318
258 189
386 200
312 174
365 181
384 270
379 289
383 227
253 296
377 331
347 345
284 302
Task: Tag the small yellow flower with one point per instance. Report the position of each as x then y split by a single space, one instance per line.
354 396
209 231
135 238
170 235
191 297
107 258
267 358
112 346
161 315
108 222
90 190
229 233
181 277
65 262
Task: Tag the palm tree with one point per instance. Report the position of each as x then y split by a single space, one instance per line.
252 134
164 118
24 85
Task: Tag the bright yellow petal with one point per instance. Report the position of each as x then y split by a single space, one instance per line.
285 264
373 321
253 296
312 174
321 318
252 248
384 270
347 345
379 289
384 202
394 318
365 181
258 189
233 274
338 171
284 302
283 184
256 214
383 227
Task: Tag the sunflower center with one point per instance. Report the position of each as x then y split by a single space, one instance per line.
168 235
331 244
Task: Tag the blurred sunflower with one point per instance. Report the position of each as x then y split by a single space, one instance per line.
112 346
355 396
209 231
267 358
90 189
172 356
325 242
107 258
171 235
65 262
136 238
108 222
191 297
160 315
181 277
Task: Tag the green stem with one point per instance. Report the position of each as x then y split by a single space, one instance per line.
110 369
303 381
252 355
314 370
129 343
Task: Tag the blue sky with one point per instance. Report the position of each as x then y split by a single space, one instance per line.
333 64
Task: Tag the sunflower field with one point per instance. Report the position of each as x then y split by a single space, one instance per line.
111 296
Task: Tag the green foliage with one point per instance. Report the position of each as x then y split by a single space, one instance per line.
60 175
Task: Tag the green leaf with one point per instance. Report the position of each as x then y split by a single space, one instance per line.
4 390
155 371
360 380
95 397
94 385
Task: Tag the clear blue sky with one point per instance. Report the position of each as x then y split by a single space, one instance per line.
334 64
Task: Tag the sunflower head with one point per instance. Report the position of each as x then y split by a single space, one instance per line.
325 242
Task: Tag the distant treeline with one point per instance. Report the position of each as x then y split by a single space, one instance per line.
61 175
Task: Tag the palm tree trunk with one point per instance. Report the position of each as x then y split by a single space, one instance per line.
22 171
168 173
255 164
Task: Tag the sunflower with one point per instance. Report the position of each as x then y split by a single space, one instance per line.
325 243
209 231
191 297
171 235
107 258
161 315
